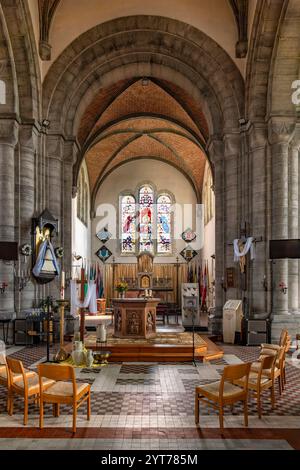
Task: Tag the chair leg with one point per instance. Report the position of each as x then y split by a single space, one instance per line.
221 418
25 411
196 409
41 414
258 406
57 410
11 404
246 412
272 397
284 376
89 406
74 417
279 385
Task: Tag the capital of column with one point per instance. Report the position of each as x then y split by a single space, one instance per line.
9 130
281 130
232 142
28 137
70 151
258 134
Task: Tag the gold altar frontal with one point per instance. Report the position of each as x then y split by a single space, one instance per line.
135 318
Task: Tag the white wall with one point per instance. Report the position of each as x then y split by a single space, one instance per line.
213 17
129 177
81 234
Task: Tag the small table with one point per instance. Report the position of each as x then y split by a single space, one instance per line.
5 321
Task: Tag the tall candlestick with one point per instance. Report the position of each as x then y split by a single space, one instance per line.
62 285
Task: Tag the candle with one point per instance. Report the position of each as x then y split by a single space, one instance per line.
62 285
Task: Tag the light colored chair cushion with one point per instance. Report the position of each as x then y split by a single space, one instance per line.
65 389
15 377
213 389
33 384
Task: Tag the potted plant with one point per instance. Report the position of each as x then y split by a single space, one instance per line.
122 287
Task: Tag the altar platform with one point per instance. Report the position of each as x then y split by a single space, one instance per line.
167 346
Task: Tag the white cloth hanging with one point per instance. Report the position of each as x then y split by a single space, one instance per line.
90 299
249 245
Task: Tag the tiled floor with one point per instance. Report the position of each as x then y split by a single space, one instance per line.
151 406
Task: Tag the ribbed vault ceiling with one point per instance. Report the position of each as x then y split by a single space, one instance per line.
143 120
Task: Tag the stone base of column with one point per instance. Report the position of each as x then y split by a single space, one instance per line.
290 321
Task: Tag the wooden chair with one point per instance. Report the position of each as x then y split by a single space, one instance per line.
64 390
225 392
262 380
5 379
279 353
23 383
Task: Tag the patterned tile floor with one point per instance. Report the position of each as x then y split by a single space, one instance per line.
151 406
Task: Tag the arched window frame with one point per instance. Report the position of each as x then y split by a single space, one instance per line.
123 195
83 198
136 196
171 221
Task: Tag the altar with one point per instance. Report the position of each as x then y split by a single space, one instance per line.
135 317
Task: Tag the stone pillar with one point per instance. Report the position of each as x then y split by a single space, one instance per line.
293 229
70 151
232 201
28 142
216 153
280 135
54 200
8 140
258 180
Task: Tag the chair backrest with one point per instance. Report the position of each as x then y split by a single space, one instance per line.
58 373
3 359
283 337
235 372
269 350
15 366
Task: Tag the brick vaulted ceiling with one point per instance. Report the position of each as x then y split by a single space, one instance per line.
143 119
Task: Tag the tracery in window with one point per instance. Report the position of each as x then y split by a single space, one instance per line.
164 205
128 216
83 198
146 197
208 196
144 225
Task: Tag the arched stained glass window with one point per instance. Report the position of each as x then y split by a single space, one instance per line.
164 204
128 215
146 218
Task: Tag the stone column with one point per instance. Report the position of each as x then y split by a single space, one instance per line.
28 142
55 190
70 151
293 229
258 180
232 201
216 153
8 140
280 135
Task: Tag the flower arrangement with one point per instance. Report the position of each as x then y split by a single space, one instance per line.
122 286
59 252
26 249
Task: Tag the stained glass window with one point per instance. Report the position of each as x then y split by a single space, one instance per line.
128 212
163 217
145 218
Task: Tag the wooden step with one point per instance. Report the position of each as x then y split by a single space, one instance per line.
213 351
